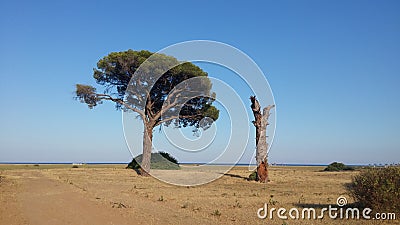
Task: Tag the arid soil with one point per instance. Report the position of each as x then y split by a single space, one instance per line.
119 196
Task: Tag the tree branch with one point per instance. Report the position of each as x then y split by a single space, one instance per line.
176 117
117 100
266 113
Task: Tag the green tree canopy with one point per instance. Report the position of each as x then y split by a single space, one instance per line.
158 87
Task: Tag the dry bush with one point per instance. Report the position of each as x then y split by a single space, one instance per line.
377 188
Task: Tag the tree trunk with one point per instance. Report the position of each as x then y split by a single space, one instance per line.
261 123
147 146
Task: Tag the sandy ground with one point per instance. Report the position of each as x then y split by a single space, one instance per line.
119 196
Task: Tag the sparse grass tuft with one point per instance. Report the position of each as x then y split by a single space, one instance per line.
272 201
302 199
216 213
118 205
237 204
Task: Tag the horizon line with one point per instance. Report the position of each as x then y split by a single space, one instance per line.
200 163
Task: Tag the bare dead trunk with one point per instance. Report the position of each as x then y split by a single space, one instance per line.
261 123
147 146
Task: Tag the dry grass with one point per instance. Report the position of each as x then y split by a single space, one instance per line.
56 166
228 200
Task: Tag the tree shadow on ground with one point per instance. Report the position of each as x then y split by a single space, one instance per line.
235 176
321 206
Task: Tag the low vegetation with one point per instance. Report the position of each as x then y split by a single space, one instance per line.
169 157
377 188
216 213
336 166
236 199
253 176
160 160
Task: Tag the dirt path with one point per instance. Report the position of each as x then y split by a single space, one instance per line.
36 199
29 197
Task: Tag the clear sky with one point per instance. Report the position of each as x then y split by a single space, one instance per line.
333 67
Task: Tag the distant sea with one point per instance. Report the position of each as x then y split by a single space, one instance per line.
52 163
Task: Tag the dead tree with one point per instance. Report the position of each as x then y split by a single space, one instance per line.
261 123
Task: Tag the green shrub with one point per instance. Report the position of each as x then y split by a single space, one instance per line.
169 157
216 213
377 188
159 160
253 176
335 166
133 165
75 166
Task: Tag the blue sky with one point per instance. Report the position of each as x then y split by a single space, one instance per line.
332 65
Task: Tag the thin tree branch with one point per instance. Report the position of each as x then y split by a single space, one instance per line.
117 100
176 117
